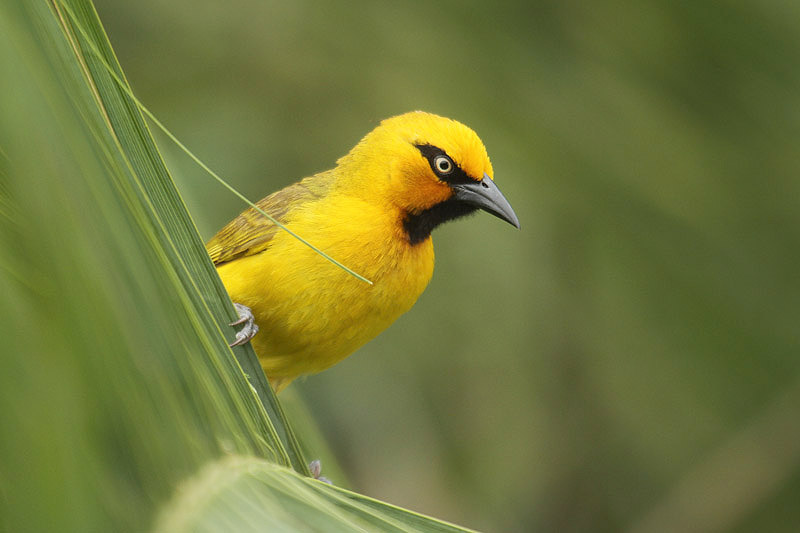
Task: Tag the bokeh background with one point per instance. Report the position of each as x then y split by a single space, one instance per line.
628 361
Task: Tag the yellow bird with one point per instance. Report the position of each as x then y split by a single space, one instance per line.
374 213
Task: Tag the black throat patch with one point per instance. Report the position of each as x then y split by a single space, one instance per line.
419 226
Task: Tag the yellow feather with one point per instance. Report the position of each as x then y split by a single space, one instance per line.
312 314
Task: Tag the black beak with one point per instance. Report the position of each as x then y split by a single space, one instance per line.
485 195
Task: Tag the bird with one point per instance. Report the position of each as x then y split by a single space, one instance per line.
373 212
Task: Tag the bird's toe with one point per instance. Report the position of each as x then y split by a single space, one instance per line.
315 467
247 321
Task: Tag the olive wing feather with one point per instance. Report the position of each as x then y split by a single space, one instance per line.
251 232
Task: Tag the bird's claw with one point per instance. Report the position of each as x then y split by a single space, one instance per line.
247 321
315 467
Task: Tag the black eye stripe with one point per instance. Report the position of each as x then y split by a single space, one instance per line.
454 176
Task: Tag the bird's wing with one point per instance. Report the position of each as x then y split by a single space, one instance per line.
251 232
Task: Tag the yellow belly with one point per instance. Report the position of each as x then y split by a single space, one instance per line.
310 313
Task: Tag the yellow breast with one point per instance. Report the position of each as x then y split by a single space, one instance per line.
312 314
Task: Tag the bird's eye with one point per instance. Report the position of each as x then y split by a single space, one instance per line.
442 164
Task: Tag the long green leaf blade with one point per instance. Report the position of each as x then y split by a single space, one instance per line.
123 407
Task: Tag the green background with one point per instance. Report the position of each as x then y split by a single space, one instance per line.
626 361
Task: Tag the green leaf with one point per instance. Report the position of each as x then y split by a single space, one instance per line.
123 407
239 494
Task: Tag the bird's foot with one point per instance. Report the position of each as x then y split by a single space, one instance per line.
247 321
315 467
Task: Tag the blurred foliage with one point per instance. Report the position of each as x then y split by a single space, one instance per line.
629 359
123 408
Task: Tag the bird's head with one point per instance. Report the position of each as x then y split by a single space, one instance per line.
431 168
